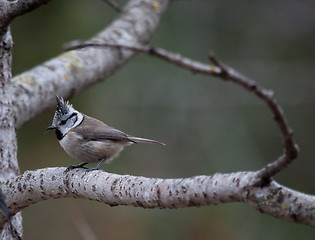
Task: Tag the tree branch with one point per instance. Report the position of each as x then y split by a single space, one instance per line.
72 72
226 73
114 5
11 9
113 189
8 142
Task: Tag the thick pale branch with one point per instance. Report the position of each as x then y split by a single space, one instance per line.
74 71
227 73
274 199
8 142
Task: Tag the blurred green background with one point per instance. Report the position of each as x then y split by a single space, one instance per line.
209 125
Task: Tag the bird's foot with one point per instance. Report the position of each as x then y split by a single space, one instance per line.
75 166
97 166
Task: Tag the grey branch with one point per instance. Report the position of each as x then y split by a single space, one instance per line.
74 71
35 186
226 73
8 143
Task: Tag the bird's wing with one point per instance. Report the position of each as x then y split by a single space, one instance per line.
94 130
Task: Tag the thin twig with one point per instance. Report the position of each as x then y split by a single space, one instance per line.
159 52
291 149
226 73
114 5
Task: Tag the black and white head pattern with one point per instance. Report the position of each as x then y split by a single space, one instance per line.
66 117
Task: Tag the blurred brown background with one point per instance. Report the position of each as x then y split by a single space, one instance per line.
209 125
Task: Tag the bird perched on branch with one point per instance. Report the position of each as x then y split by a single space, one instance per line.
88 139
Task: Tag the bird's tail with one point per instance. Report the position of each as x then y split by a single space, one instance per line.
144 140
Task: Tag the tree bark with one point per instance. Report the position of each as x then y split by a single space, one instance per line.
8 143
113 189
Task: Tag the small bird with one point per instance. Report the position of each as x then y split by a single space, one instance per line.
88 139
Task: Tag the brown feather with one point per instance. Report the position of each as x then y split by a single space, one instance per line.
95 130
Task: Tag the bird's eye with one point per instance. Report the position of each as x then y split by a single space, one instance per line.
63 122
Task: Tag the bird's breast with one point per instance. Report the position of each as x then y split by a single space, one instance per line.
89 151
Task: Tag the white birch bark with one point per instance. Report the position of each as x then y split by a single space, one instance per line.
113 189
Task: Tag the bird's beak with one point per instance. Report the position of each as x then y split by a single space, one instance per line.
52 127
